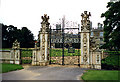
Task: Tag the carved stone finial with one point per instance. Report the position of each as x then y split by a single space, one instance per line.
45 24
45 18
85 22
85 17
16 44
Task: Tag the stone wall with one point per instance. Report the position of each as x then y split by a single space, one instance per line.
5 56
10 56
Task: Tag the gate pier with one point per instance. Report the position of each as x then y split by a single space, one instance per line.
41 54
85 40
90 52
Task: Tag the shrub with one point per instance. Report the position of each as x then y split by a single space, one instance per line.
112 61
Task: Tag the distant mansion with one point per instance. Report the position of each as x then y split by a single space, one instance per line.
97 33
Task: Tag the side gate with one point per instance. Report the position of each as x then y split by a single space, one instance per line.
26 56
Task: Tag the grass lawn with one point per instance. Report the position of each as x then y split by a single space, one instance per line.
10 67
5 49
100 75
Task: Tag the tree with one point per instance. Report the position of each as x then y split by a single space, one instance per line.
11 33
27 38
4 35
112 26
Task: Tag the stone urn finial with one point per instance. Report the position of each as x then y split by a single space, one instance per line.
45 18
85 22
45 24
85 17
16 44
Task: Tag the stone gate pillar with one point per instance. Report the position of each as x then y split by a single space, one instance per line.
15 53
35 55
95 52
85 40
44 41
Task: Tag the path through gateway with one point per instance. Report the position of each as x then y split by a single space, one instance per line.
65 45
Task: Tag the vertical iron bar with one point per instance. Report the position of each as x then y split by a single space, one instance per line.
20 56
79 43
50 44
63 25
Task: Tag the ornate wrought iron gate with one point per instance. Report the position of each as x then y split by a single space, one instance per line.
65 46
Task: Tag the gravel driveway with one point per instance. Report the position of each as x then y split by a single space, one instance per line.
44 73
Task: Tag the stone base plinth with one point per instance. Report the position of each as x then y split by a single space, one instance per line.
96 66
44 63
40 63
85 66
34 62
17 61
93 66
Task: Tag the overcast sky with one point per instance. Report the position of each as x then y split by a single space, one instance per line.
27 13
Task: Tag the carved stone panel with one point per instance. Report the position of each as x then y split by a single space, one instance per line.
85 58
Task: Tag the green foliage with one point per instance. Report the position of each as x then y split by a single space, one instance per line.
112 52
112 60
27 39
100 75
58 52
26 56
112 26
26 53
26 61
52 61
10 67
11 33
5 49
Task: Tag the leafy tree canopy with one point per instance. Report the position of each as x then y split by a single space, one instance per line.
112 26
11 33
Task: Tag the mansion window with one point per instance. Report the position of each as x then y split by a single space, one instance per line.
101 33
91 33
